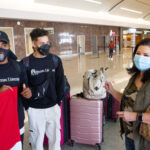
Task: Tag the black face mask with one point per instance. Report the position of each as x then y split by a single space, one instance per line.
3 54
44 49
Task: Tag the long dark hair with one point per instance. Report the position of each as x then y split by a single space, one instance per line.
134 70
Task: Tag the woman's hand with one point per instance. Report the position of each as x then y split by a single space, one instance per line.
127 116
146 118
109 88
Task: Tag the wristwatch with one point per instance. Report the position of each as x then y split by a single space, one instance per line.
140 116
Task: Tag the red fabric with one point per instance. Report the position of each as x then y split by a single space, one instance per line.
9 124
111 45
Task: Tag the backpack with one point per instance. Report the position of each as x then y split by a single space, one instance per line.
93 83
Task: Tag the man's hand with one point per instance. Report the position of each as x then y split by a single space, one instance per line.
5 87
26 93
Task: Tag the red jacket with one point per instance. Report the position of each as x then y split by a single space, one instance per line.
111 45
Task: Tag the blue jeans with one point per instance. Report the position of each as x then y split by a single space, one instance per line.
111 52
129 143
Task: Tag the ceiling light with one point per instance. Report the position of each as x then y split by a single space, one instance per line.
94 1
131 10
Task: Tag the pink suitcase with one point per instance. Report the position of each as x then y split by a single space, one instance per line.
86 121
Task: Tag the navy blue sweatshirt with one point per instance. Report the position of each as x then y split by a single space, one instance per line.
38 71
9 75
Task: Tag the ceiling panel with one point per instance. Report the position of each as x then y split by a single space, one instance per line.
81 4
145 2
147 17
133 5
137 5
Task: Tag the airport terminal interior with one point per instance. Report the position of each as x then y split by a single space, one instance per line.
80 32
117 74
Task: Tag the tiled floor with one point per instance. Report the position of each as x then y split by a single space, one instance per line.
74 68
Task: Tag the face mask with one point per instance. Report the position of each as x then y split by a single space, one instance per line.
142 63
3 54
44 49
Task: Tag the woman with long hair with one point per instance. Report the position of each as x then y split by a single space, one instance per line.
135 99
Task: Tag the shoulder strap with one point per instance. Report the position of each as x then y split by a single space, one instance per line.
26 62
55 61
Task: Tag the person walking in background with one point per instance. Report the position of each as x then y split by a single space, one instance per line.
111 49
135 100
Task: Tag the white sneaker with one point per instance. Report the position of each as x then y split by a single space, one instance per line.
111 58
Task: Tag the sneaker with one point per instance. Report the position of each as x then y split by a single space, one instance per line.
111 58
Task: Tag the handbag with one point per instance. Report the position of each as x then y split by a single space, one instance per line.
93 83
145 128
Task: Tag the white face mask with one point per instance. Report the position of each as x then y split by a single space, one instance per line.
142 63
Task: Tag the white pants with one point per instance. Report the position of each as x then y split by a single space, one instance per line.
43 121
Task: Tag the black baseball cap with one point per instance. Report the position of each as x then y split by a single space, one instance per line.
4 37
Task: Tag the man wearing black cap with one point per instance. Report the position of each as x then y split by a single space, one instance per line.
12 74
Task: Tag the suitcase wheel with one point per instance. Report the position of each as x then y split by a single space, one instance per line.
72 143
99 146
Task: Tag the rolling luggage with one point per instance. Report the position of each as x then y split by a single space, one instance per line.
86 121
111 106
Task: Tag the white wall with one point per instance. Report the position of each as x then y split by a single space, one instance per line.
28 9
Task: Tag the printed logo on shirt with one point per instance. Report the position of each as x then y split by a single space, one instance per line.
35 72
9 79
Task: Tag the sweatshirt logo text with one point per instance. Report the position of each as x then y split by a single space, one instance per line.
35 72
9 79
